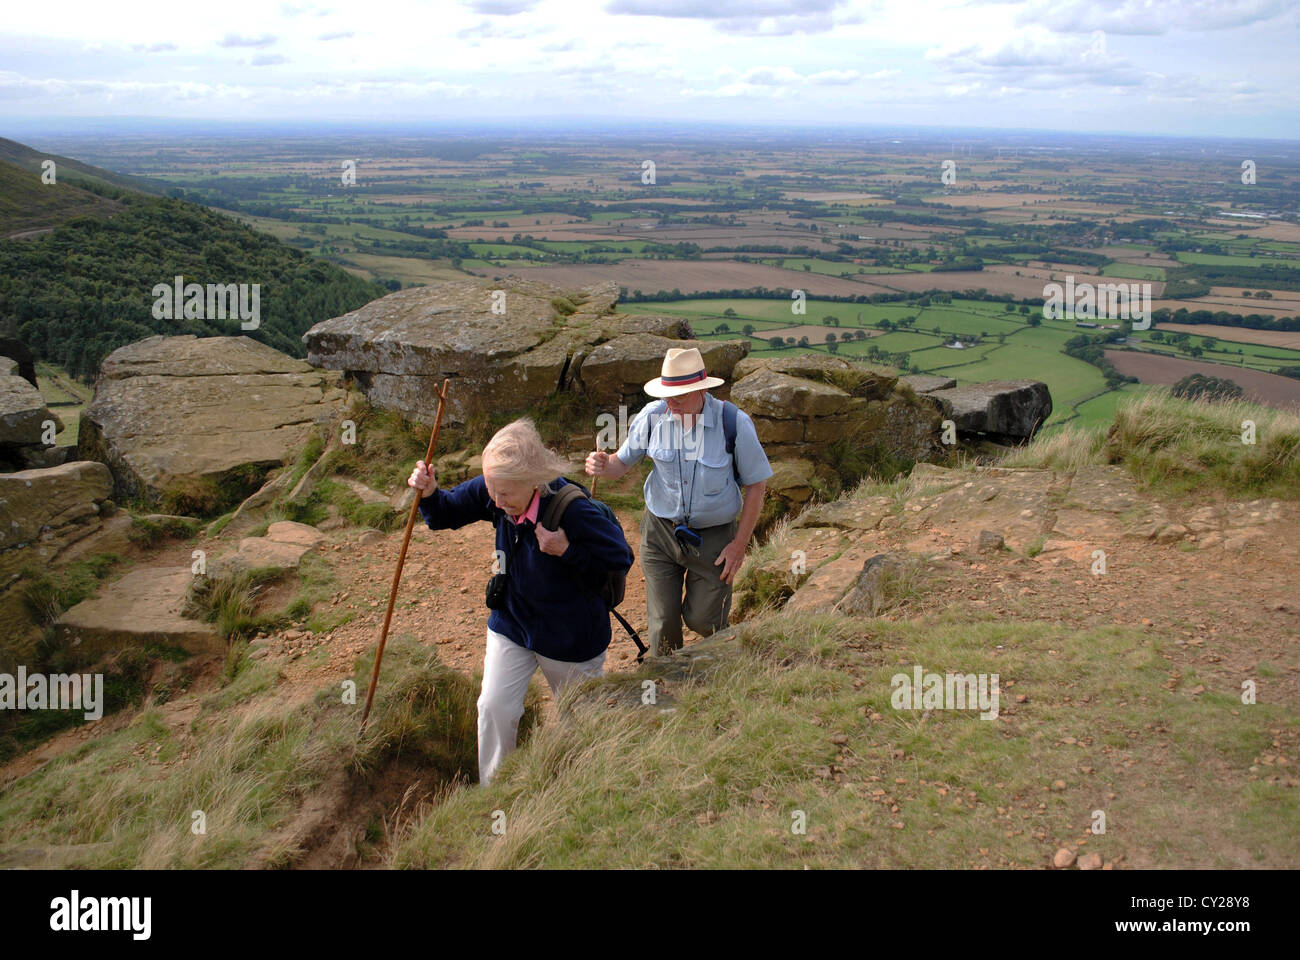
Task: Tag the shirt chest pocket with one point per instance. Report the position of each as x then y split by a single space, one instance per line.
715 474
665 458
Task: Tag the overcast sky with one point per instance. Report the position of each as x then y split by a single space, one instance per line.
1194 67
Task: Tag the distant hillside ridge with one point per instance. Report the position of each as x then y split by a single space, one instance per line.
73 171
86 288
27 205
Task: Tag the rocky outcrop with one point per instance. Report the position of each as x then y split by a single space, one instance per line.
860 554
801 404
177 410
507 344
43 511
616 372
23 420
12 348
1011 409
926 382
46 514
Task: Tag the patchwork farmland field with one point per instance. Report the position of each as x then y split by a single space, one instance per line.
1261 387
937 277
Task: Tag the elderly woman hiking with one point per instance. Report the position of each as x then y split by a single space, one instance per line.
704 451
546 606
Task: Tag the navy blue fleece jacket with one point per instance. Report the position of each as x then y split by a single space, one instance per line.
546 608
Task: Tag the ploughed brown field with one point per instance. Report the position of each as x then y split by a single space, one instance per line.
1269 338
704 275
694 276
1267 388
998 283
1056 273
1267 308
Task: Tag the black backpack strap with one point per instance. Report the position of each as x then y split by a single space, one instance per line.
729 411
558 503
551 521
641 647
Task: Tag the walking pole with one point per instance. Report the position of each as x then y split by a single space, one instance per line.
401 559
594 478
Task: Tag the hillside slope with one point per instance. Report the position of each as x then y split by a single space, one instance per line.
85 288
27 205
74 171
777 742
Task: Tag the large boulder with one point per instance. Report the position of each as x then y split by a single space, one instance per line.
13 348
172 411
43 511
617 371
23 415
779 396
802 404
1004 408
508 344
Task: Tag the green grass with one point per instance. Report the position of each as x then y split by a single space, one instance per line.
1133 271
49 592
1178 446
149 532
251 759
1221 260
722 781
1175 446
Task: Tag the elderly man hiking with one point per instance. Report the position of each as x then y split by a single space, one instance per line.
704 451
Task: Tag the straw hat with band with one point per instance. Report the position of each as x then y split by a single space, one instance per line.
683 372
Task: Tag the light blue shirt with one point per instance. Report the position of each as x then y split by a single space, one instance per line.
692 470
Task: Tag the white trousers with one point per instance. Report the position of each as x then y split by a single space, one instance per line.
507 669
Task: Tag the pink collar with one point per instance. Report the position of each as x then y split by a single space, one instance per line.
531 512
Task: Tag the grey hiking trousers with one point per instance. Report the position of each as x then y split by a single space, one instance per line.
707 601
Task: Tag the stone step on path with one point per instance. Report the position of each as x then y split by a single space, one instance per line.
144 606
282 547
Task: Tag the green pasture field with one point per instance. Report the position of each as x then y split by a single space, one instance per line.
336 232
596 246
619 215
1253 355
776 311
1070 381
1099 411
410 270
1231 260
1133 271
495 251
828 268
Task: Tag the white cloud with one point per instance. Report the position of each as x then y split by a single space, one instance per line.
235 40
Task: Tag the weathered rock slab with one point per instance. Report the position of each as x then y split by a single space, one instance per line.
22 413
621 367
928 383
1009 408
144 606
175 408
41 511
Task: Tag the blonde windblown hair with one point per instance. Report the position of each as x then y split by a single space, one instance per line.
518 454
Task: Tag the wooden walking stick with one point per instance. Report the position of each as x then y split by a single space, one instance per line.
594 477
401 559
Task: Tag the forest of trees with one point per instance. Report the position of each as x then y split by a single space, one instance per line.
85 289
